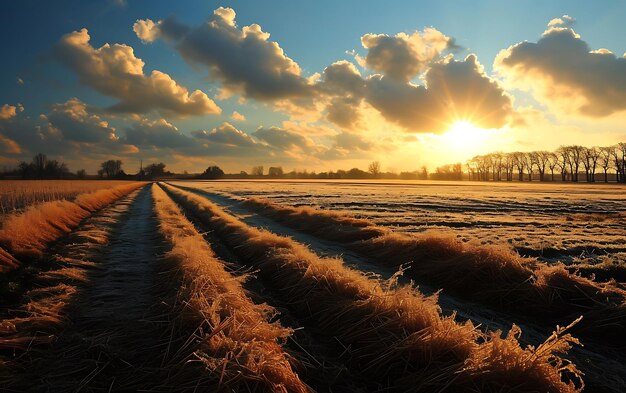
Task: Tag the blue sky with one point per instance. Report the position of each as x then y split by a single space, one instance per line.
312 34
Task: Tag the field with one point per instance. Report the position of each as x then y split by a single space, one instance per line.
301 286
15 195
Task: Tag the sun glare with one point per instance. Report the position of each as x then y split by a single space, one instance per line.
465 135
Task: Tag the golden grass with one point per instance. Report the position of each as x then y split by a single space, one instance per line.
37 320
234 341
28 233
488 274
18 194
394 336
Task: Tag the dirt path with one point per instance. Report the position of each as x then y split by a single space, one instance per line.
116 336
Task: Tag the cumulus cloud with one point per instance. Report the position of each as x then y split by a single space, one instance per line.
236 116
454 90
114 70
72 120
284 139
7 111
564 21
403 56
226 134
157 134
563 72
243 59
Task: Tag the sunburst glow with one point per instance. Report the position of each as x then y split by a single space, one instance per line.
465 135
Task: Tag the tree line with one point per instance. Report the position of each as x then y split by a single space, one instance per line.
567 163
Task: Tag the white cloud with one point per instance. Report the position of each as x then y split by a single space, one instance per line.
114 70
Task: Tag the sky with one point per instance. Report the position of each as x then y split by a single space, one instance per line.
307 85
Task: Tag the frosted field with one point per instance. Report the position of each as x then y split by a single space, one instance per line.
565 222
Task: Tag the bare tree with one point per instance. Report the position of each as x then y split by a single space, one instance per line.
530 163
589 158
605 160
509 163
553 162
374 168
39 162
620 161
520 163
257 170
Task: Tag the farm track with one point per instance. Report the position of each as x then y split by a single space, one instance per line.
39 312
121 306
595 360
117 334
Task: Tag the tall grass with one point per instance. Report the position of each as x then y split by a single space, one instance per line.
487 274
393 336
233 339
16 195
43 311
26 234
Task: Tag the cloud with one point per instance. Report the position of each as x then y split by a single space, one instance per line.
284 139
72 120
7 111
114 70
225 134
243 59
158 134
564 73
403 56
564 21
453 90
236 116
9 146
146 30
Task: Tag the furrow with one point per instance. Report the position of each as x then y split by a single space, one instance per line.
394 336
38 316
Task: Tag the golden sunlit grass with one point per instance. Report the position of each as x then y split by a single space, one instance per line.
36 320
238 348
393 335
493 275
26 234
18 194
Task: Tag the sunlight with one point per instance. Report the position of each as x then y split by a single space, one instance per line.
463 135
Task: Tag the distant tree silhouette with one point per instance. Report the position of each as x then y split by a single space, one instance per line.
155 170
42 168
374 168
212 172
257 170
275 171
110 169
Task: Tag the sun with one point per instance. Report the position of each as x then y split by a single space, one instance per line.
463 134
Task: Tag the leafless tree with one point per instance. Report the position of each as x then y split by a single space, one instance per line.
374 168
590 156
605 160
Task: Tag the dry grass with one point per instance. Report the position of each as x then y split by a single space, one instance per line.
233 340
15 195
28 233
488 274
30 326
392 335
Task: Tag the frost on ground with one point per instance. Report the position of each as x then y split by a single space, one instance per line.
555 222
